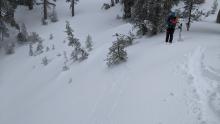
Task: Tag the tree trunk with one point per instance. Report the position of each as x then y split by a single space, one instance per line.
190 15
112 3
73 6
127 9
45 9
218 17
116 1
30 4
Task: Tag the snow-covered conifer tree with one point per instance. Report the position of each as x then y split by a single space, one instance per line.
40 48
89 43
78 54
117 54
31 53
74 42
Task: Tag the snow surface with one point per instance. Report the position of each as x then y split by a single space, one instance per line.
159 84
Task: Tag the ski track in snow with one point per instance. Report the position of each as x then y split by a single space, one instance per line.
108 103
204 95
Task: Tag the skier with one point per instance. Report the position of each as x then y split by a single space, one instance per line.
171 25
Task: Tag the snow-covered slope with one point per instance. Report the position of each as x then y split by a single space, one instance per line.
159 84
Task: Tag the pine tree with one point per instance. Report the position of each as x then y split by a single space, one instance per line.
127 8
7 10
74 42
116 54
3 30
88 42
116 1
190 7
112 3
149 16
72 6
78 54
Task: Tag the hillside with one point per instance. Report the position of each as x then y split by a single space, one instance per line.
159 84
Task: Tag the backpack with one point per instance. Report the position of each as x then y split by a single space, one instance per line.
171 22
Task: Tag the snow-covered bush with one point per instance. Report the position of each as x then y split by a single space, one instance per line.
214 7
65 67
83 54
45 61
207 14
9 48
106 6
44 22
34 38
51 37
31 53
47 49
53 47
40 48
117 54
53 16
89 43
23 34
127 40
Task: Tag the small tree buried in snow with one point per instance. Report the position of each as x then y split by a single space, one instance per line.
116 54
65 67
31 53
40 48
45 61
88 42
44 22
51 37
34 38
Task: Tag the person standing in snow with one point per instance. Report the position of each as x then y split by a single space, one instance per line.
171 25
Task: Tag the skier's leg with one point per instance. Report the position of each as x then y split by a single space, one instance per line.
171 36
167 36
